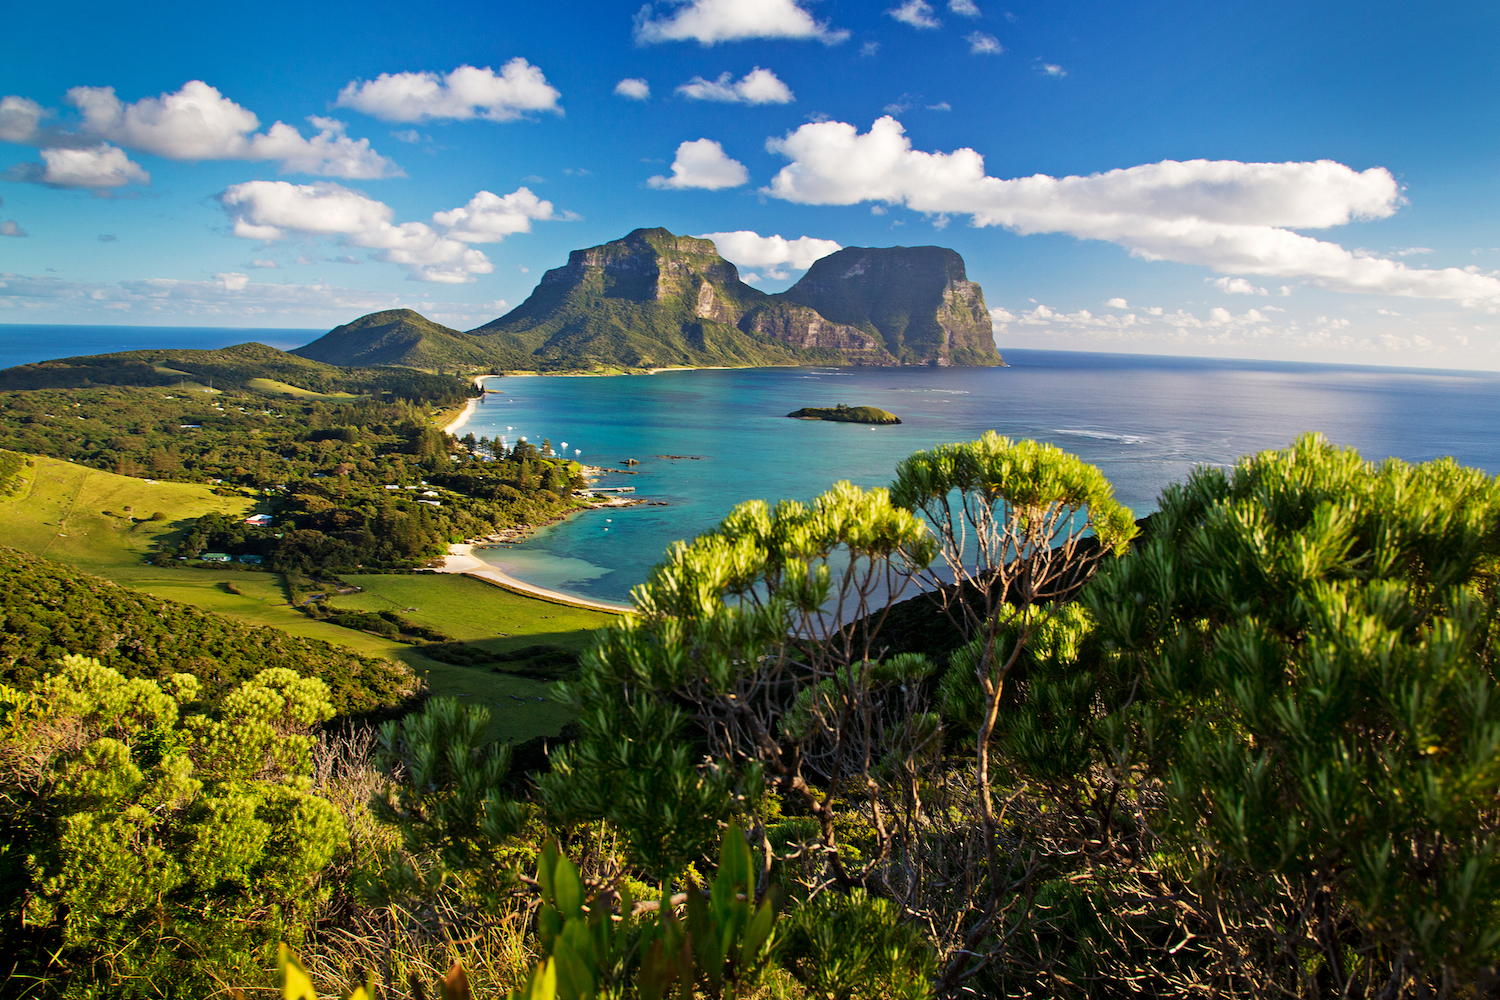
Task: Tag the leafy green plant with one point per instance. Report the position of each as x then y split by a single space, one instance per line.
1313 640
150 839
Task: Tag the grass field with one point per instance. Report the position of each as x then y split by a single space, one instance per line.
271 385
58 512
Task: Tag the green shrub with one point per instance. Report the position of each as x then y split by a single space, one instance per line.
150 840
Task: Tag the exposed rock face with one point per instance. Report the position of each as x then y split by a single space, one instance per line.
803 328
917 300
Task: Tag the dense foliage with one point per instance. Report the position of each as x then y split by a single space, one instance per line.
11 465
151 840
1250 753
48 611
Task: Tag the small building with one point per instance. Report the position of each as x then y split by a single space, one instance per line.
216 557
259 520
250 560
429 493
393 487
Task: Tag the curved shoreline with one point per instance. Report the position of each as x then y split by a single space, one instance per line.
461 559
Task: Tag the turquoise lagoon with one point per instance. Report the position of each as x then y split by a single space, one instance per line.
1146 421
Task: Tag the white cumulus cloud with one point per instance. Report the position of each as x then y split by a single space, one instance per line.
750 249
194 123
1117 303
703 163
1236 286
984 45
963 8
275 210
20 118
713 21
634 88
467 92
489 217
917 13
96 168
759 86
1233 217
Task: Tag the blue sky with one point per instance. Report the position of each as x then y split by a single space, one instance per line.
1279 180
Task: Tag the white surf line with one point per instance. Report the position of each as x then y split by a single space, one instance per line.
461 559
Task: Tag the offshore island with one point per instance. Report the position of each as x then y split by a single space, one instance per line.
845 414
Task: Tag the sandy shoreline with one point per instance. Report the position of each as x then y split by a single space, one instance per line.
463 417
461 559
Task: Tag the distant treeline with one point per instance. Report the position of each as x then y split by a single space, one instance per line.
48 611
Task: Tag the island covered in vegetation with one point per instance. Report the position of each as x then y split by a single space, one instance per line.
846 414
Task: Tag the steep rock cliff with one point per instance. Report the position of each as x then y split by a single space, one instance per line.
917 300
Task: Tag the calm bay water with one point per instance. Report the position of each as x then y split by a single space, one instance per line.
1146 421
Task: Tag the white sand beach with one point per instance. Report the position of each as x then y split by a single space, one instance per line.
463 417
461 559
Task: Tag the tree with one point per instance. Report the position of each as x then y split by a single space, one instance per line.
758 646
1311 639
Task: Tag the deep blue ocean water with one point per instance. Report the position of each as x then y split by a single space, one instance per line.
1146 421
21 344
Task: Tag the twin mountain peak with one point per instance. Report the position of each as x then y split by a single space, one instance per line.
655 300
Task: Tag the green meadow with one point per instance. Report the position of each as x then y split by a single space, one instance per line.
102 523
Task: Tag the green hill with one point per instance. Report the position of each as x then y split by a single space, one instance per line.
396 337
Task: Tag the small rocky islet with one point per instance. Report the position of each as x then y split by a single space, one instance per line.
845 414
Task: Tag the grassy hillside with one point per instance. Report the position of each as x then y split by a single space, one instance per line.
59 512
397 337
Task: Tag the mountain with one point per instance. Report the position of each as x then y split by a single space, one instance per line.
654 300
917 300
395 337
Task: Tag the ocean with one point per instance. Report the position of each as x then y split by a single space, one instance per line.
1145 421
22 344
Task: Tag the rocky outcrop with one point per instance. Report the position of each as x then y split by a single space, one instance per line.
804 329
917 300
